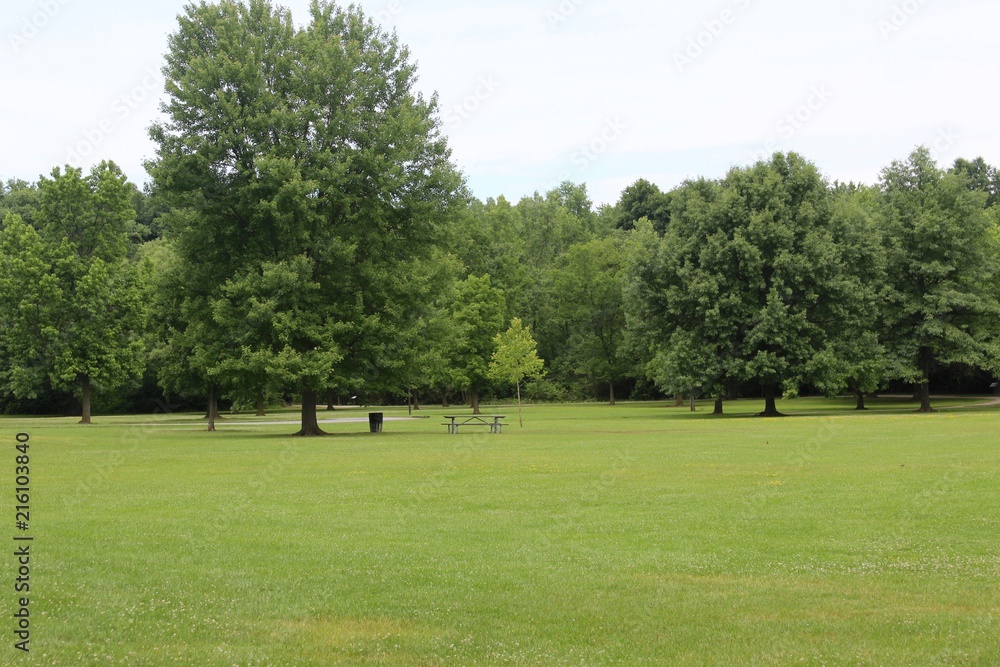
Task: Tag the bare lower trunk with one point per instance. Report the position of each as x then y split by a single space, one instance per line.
925 397
693 406
718 407
416 400
260 407
213 408
520 418
310 425
329 399
611 391
85 383
680 402
409 403
213 412
444 400
474 400
861 400
770 404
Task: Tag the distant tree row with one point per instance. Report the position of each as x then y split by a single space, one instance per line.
773 276
306 234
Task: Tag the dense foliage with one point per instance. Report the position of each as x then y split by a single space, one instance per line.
305 234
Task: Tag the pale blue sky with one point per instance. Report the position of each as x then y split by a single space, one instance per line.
591 91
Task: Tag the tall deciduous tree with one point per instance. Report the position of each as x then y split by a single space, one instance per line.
313 173
749 282
944 267
478 311
516 359
684 305
85 330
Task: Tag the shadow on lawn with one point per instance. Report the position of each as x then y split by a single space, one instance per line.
294 437
876 407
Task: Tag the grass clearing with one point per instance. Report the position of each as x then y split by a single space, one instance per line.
638 534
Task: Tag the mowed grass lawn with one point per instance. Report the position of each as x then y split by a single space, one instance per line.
639 534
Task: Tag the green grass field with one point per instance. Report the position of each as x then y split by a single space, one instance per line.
638 534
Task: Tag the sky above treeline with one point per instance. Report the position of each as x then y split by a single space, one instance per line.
591 91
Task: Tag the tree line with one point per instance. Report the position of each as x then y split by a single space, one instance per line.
305 234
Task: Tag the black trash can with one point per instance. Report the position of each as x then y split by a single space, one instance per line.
375 422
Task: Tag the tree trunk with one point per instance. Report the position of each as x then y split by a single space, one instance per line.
770 405
213 408
329 399
474 400
310 425
85 381
520 418
611 391
925 397
718 407
444 400
416 400
260 407
213 412
680 402
861 400
409 403
693 407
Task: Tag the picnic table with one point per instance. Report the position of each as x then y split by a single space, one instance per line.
493 421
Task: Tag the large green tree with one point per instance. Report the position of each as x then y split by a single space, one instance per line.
71 294
944 266
313 173
750 282
856 358
478 311
683 303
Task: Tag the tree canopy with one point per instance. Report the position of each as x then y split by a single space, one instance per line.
71 298
516 359
312 173
944 270
306 234
749 282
